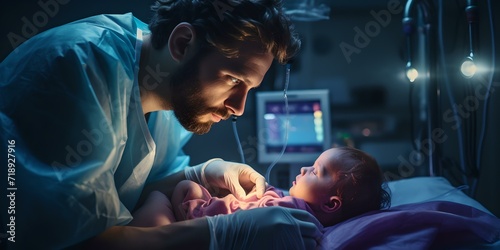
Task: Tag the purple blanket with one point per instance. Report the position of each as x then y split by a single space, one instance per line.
429 225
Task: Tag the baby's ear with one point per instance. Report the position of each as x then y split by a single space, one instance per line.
332 205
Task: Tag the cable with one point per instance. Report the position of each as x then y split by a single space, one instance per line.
485 108
450 168
460 188
470 123
412 121
287 123
448 89
240 149
471 134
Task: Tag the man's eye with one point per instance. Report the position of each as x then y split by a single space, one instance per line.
235 81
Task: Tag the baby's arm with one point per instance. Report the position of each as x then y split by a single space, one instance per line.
156 211
184 191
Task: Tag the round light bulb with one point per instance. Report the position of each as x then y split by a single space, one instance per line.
468 68
411 74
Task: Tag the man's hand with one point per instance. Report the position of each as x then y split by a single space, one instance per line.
235 177
265 228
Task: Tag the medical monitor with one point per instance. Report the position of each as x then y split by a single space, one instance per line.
308 128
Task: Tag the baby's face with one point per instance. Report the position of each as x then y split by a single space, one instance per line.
313 183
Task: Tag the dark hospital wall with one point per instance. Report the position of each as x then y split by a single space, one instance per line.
20 20
367 87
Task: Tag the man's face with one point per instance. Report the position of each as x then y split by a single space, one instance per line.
210 87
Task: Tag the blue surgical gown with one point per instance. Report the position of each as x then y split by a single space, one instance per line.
70 108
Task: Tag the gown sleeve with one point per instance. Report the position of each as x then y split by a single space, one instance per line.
64 98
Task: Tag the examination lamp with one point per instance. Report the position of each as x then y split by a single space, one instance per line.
408 29
468 67
411 72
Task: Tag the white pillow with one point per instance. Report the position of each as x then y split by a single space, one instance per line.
420 189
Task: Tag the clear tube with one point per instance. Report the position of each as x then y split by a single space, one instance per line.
448 88
486 99
240 149
287 124
440 196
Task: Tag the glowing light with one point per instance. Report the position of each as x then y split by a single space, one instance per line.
411 74
366 132
468 68
319 137
269 116
318 123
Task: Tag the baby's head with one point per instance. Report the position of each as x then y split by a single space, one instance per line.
342 183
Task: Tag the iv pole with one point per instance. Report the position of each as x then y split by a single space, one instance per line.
424 9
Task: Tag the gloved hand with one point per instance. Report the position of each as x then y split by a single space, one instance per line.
218 174
265 228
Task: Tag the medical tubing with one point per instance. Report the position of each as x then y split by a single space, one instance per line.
447 193
238 143
448 89
470 130
287 121
412 120
487 97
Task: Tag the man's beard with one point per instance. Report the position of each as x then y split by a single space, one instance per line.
187 99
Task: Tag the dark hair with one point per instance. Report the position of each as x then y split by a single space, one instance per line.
359 183
224 23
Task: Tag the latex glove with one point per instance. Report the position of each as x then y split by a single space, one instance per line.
237 178
265 228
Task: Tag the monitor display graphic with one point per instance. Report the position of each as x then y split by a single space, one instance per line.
308 131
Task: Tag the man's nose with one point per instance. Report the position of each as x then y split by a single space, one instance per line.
236 102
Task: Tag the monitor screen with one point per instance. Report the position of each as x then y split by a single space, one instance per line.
308 131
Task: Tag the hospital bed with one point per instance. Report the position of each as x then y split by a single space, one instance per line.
426 213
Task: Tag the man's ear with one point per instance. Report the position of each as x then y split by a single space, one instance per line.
181 39
332 205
